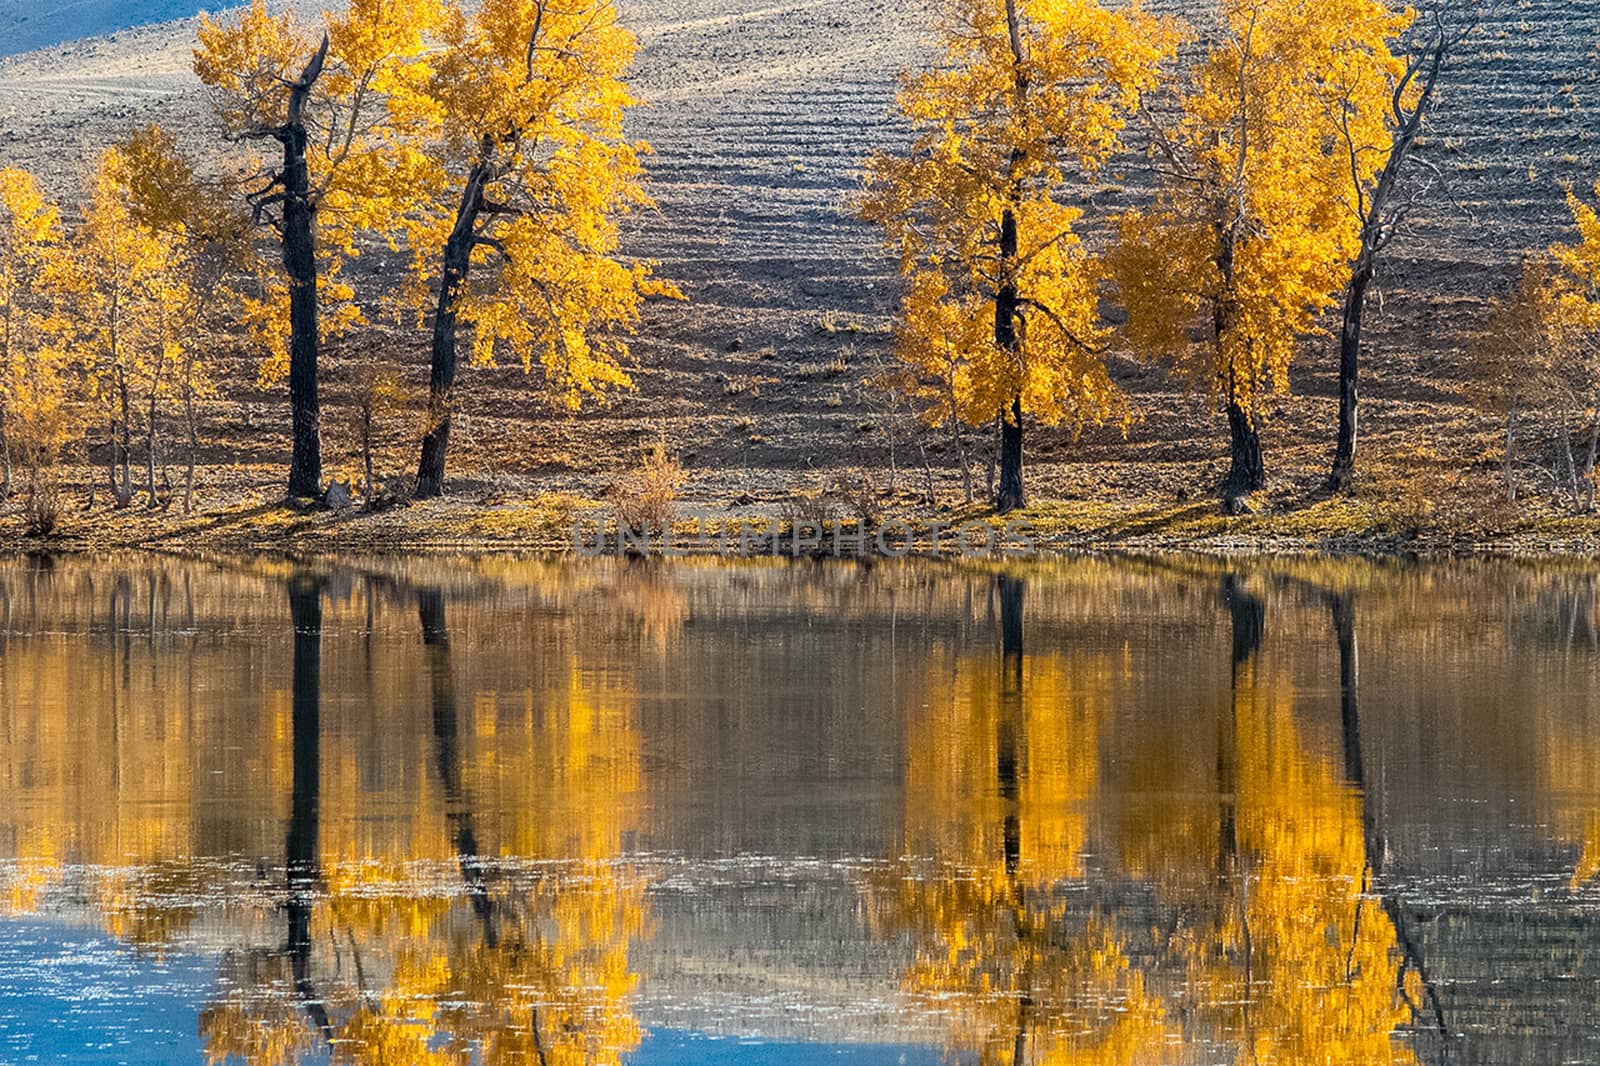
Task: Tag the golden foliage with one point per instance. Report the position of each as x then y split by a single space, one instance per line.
33 365
1282 128
531 168
1026 98
365 172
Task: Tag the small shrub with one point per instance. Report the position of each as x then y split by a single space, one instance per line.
850 495
46 501
643 500
857 496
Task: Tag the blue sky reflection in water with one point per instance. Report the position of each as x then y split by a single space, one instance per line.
1089 811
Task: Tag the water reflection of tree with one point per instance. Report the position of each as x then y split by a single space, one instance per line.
1308 970
1263 936
381 970
1001 766
259 1019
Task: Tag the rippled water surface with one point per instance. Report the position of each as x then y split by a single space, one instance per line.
496 811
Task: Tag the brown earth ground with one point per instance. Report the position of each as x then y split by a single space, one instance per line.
760 115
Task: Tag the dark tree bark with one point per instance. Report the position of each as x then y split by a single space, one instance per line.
447 753
300 264
1010 725
442 375
1247 615
1008 300
1011 495
301 846
1247 471
1247 468
1379 218
1344 454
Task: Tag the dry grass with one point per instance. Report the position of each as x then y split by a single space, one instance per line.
644 499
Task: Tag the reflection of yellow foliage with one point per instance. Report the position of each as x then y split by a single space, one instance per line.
953 808
1276 950
384 1035
1589 860
1308 968
555 988
998 954
253 1021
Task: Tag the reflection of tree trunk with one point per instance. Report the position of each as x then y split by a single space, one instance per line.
1349 704
1010 744
1010 725
1019 1048
1247 614
305 607
447 752
1342 608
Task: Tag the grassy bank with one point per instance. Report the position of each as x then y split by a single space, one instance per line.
1378 518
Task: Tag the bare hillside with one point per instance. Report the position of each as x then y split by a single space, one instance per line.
760 114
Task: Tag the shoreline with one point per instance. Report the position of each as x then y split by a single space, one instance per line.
546 523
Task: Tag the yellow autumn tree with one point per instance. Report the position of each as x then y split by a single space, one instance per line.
33 384
1573 322
133 312
520 240
345 169
1252 234
1003 298
1524 365
208 238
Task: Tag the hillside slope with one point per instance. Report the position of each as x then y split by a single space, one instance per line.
760 114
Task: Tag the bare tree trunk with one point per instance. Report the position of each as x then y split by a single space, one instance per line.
150 454
5 455
961 454
989 462
194 449
1589 461
366 451
894 458
927 473
442 372
1568 460
1511 483
1377 224
300 263
122 447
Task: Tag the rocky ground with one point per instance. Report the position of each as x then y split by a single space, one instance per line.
760 115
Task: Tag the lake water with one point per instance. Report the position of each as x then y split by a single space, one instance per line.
592 811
